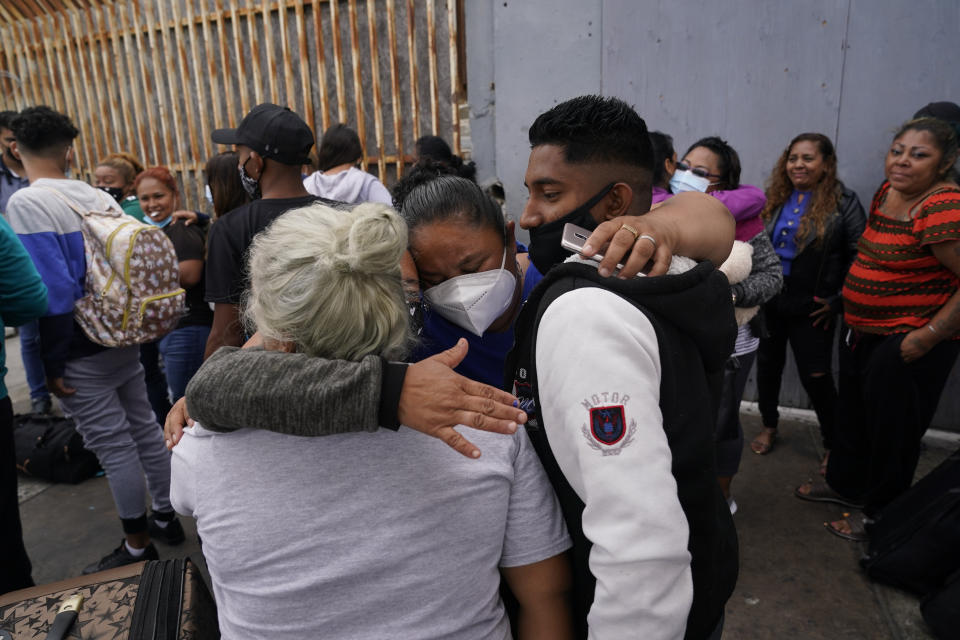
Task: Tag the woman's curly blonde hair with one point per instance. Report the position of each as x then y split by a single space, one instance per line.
824 199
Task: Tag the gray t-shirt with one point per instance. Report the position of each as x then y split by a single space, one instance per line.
363 535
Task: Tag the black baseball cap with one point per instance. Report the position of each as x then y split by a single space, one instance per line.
274 132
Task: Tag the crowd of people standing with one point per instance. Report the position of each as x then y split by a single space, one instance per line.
377 319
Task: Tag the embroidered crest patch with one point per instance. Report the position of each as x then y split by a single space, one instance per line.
608 431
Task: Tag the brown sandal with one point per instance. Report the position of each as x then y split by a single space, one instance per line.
763 447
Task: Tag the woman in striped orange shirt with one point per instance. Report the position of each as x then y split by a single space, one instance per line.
902 319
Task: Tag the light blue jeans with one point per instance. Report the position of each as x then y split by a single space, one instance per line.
182 352
32 364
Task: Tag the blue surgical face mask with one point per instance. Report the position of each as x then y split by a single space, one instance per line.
161 224
688 181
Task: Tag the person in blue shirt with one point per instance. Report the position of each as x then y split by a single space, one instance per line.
473 273
23 298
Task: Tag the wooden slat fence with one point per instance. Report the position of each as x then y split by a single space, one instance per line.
156 77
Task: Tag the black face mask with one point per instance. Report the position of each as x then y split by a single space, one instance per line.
545 249
115 192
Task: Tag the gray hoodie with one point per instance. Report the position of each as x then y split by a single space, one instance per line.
352 186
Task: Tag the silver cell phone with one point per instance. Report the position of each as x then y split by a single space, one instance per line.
575 237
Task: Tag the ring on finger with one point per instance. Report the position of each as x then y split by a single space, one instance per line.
648 237
635 233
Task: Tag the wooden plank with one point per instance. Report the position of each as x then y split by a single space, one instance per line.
140 86
414 80
217 80
357 81
71 103
274 96
375 76
241 63
11 98
395 83
454 75
254 44
199 153
57 97
90 147
178 53
27 74
107 95
305 84
338 61
96 118
288 82
43 63
223 118
155 84
321 68
125 70
432 59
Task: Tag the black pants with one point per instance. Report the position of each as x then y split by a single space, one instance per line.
14 564
813 351
886 405
728 433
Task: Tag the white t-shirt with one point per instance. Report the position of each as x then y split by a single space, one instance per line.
364 535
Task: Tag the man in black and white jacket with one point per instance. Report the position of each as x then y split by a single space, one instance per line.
613 373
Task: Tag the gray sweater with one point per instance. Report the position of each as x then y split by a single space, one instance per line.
253 388
766 275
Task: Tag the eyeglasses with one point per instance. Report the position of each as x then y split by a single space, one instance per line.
697 171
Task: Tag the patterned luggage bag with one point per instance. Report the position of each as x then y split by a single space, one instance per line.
155 600
132 292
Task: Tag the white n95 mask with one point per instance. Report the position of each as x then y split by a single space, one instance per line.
474 300
688 181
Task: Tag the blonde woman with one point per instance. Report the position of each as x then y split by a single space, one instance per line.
363 535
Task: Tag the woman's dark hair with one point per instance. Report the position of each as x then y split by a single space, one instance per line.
727 157
422 172
42 130
224 180
340 145
435 149
161 175
662 149
126 164
944 136
826 193
445 197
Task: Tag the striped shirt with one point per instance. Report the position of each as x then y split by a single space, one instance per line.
896 284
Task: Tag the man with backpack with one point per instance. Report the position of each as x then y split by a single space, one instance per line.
101 387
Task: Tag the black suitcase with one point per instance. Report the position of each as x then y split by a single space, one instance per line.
50 448
941 609
915 540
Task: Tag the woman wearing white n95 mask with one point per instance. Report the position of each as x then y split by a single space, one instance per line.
473 274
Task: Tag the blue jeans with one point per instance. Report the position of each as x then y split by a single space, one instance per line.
32 364
182 352
155 380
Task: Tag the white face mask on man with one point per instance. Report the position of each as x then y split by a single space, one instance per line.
474 301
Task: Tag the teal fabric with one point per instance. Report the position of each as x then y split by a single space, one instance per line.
23 296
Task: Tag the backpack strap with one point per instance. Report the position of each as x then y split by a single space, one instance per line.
70 202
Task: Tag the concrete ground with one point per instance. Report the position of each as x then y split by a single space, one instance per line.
796 580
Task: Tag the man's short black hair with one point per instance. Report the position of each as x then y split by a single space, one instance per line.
41 129
595 129
6 118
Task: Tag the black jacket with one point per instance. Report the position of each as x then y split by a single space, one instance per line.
820 268
692 314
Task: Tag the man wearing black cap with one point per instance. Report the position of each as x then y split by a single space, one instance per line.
272 143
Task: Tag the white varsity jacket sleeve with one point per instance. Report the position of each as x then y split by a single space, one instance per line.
598 370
